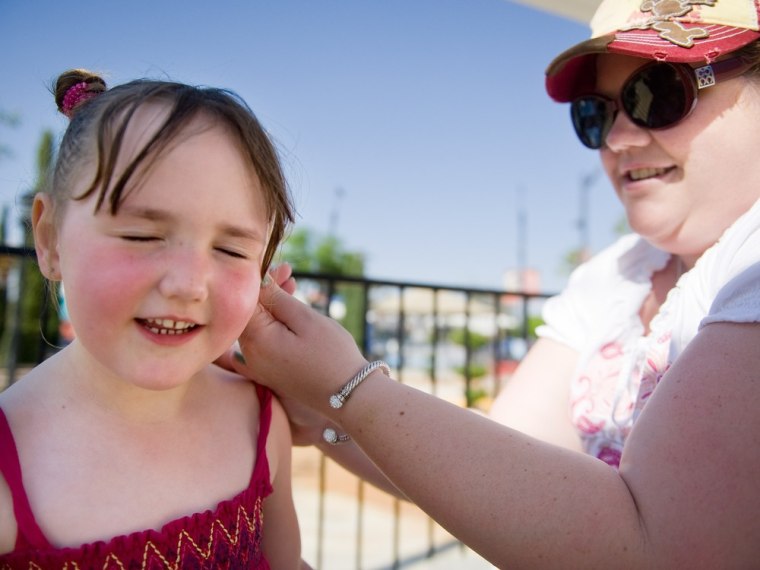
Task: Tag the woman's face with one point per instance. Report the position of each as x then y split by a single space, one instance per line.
683 186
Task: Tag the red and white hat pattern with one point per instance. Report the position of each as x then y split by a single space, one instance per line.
665 30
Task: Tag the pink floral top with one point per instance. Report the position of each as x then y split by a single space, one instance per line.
598 315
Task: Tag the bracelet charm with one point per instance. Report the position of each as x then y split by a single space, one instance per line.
333 437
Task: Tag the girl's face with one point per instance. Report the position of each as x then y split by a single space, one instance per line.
165 286
683 186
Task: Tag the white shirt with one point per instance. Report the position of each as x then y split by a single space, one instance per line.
598 316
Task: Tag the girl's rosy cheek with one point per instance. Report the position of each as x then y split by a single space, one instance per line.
240 292
101 285
118 268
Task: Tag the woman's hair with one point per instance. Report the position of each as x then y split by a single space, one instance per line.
751 54
100 119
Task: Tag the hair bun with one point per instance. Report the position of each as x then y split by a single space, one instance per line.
76 86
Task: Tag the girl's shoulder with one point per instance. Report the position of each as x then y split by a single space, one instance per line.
239 394
279 440
7 515
230 391
19 406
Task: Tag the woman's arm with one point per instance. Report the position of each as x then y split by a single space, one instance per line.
693 458
351 457
536 399
687 494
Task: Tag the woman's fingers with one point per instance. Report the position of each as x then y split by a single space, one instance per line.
283 275
280 306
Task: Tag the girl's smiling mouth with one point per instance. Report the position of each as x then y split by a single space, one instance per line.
167 326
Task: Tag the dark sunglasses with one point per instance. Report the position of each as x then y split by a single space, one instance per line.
656 96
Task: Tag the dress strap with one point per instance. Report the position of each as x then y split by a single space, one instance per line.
261 469
28 534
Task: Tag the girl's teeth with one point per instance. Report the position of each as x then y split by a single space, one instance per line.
168 326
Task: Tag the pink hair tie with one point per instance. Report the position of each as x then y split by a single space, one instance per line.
75 96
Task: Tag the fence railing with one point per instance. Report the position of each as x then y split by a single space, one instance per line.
460 344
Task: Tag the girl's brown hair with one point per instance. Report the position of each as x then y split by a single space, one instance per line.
98 124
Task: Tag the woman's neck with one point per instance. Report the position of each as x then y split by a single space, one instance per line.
662 282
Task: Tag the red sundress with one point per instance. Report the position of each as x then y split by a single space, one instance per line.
227 537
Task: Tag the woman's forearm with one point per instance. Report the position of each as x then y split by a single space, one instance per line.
515 500
352 458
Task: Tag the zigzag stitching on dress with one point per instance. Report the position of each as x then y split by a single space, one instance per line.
151 551
248 521
184 538
111 558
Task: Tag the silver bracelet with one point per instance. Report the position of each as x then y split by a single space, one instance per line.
339 398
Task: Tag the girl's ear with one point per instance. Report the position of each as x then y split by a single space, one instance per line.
45 236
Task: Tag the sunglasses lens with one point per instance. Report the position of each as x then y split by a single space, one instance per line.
658 96
592 117
655 97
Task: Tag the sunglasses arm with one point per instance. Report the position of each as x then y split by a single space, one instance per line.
709 75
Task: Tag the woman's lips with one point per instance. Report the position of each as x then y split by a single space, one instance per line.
638 174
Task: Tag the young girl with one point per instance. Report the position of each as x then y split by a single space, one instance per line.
129 448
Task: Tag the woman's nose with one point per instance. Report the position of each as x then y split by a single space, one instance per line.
624 134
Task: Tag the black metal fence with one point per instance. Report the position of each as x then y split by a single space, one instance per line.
460 344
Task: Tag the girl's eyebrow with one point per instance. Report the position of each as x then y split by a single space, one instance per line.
156 215
151 214
243 233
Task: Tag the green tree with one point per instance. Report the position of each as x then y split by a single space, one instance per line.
309 252
471 371
35 295
6 262
8 120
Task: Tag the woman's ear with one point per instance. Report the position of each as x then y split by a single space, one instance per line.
45 236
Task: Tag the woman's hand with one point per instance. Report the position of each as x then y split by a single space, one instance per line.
296 351
301 354
282 275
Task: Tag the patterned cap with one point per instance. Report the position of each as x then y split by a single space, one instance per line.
665 30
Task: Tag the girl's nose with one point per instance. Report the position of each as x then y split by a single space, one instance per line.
186 275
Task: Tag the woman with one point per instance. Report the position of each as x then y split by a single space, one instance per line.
654 340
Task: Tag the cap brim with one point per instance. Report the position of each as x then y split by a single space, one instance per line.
574 71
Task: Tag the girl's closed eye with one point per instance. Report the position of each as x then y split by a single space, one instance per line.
232 253
139 237
236 252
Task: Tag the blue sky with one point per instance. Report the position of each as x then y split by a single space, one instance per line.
415 130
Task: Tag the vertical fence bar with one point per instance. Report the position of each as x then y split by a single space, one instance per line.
401 339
